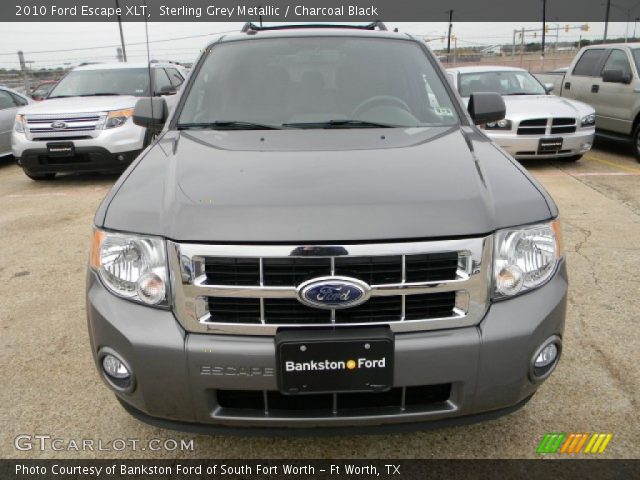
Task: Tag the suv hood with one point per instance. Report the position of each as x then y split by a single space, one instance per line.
543 106
80 105
323 186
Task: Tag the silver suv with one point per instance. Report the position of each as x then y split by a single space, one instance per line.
85 122
321 237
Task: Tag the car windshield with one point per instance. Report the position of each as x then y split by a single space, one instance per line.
515 82
636 57
118 81
43 90
317 82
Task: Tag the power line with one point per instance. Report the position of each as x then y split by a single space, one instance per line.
115 46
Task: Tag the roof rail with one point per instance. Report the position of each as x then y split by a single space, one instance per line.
251 27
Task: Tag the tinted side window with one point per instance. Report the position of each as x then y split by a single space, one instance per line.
617 61
6 100
587 64
161 80
19 101
175 77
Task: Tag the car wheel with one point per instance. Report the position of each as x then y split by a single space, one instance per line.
574 158
40 176
636 142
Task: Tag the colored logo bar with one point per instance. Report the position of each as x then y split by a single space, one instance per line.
573 443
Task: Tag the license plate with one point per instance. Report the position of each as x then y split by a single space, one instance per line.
550 145
325 361
61 149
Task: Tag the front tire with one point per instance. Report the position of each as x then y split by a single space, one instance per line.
40 176
636 142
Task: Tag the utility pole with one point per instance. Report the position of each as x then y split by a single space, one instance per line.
544 30
449 34
606 21
521 47
124 50
23 67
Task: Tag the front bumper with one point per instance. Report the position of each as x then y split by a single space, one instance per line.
487 366
86 159
126 138
523 147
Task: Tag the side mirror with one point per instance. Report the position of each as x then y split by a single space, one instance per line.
485 107
167 90
616 76
151 113
549 87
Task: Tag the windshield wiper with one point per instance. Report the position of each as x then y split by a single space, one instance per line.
523 93
342 124
101 94
227 125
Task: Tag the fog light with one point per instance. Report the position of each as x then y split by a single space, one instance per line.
547 356
120 158
585 147
545 359
115 368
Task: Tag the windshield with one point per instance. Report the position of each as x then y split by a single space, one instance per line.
43 90
119 81
505 83
636 57
318 82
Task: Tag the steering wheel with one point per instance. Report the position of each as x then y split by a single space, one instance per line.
379 99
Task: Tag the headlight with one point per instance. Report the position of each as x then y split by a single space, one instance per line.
525 258
589 120
18 126
132 266
499 125
118 118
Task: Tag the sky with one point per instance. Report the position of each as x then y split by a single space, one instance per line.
65 44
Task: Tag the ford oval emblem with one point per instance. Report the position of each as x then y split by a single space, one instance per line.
333 292
58 125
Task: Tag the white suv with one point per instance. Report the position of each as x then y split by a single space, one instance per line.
85 124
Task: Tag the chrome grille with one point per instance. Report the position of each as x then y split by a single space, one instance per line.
252 290
41 126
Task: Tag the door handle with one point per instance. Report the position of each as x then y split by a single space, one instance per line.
595 88
567 85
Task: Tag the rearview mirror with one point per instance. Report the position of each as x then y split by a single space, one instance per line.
485 107
150 113
616 76
549 87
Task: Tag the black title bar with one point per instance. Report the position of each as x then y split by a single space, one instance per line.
312 10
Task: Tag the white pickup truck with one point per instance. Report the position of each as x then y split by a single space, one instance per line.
85 123
607 77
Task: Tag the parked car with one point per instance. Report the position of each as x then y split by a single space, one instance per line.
537 124
85 124
10 102
42 90
315 240
606 77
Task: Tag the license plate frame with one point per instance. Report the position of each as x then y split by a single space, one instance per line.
371 350
550 145
61 149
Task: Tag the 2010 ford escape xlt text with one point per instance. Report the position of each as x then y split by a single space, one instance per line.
321 237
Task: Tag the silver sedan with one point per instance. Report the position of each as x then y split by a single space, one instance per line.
537 124
10 102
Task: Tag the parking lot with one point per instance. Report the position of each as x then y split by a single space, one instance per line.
55 390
